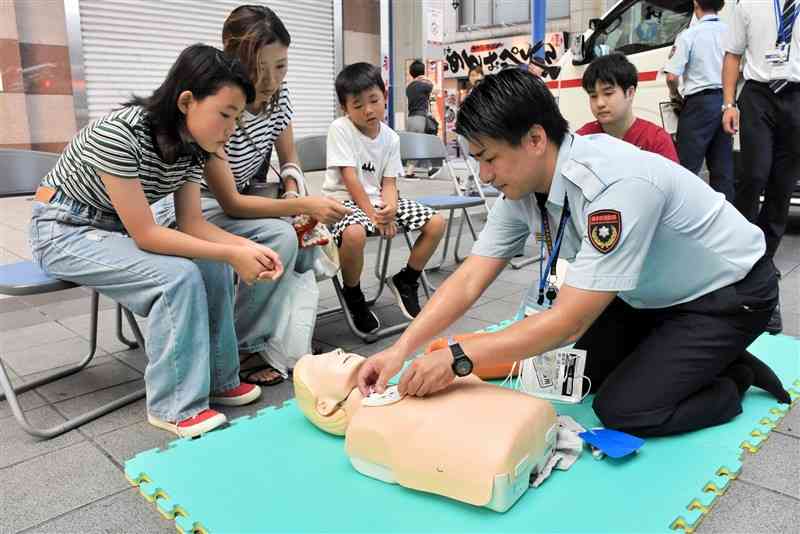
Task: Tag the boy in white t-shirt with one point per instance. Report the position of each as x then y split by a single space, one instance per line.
363 161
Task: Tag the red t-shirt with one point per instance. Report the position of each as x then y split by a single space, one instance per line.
643 134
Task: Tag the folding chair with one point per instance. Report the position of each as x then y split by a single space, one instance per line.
25 278
311 151
417 146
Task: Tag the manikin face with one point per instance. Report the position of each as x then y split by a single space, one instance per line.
366 110
212 120
609 103
514 170
331 377
273 63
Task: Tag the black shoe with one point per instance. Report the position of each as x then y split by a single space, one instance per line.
775 324
406 294
365 320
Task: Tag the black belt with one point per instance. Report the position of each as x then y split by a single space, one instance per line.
790 87
705 92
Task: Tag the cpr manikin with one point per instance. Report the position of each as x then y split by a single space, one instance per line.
474 442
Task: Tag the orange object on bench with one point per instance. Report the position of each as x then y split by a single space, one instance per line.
487 372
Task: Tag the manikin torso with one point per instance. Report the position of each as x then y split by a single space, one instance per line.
474 442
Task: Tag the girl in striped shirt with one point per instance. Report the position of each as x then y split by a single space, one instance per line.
92 225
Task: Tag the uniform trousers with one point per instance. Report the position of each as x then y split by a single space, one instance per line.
662 371
770 149
701 137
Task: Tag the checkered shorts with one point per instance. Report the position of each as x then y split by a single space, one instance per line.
410 215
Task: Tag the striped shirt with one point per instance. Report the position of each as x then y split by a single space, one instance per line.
119 144
254 138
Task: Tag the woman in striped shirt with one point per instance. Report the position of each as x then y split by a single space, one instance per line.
92 225
258 38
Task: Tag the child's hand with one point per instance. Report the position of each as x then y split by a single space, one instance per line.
387 230
385 215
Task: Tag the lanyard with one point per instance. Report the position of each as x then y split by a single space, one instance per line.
553 249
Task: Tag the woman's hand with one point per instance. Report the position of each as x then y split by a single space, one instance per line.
325 210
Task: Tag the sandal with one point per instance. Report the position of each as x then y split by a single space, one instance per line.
246 376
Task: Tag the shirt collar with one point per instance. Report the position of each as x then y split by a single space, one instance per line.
709 17
557 186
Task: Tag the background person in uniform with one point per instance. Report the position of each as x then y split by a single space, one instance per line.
697 57
611 83
668 283
767 34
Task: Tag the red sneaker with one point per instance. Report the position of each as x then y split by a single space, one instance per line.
239 396
201 423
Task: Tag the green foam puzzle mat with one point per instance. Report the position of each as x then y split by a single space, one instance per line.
275 472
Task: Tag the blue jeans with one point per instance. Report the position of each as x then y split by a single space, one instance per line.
700 136
191 341
258 306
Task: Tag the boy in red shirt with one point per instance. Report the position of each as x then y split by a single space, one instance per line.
611 82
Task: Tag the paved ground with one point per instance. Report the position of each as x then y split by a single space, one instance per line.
75 483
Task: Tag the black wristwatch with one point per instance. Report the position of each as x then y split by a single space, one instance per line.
462 365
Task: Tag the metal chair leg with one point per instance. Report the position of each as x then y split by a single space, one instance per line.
464 217
10 393
120 334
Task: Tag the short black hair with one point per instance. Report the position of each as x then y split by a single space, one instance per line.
357 78
711 5
613 69
505 107
417 68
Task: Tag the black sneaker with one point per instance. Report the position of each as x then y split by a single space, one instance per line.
406 294
365 320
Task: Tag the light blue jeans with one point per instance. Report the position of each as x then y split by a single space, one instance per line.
259 306
191 340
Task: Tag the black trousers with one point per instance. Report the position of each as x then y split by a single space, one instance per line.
701 137
770 150
661 371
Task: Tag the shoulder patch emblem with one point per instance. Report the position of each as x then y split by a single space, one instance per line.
605 229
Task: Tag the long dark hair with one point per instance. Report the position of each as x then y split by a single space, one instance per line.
247 29
201 69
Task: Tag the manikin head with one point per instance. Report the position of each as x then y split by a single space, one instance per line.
325 389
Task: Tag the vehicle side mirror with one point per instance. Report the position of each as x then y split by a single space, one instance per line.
594 24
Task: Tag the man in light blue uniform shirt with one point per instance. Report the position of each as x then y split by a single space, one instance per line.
667 286
697 57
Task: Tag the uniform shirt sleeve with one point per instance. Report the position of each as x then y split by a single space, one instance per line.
112 148
663 145
394 165
679 57
506 231
735 40
340 150
640 205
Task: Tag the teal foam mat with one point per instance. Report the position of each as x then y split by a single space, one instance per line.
276 472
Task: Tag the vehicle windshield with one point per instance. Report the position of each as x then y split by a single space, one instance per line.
641 26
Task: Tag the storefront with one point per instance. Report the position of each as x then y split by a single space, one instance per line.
119 48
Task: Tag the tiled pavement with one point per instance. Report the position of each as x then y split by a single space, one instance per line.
75 483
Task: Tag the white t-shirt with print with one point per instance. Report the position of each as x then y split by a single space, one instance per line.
373 159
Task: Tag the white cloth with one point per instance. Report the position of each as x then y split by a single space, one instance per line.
373 159
568 449
753 32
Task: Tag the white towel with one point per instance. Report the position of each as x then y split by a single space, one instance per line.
568 448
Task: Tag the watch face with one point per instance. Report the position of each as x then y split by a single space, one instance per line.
463 366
